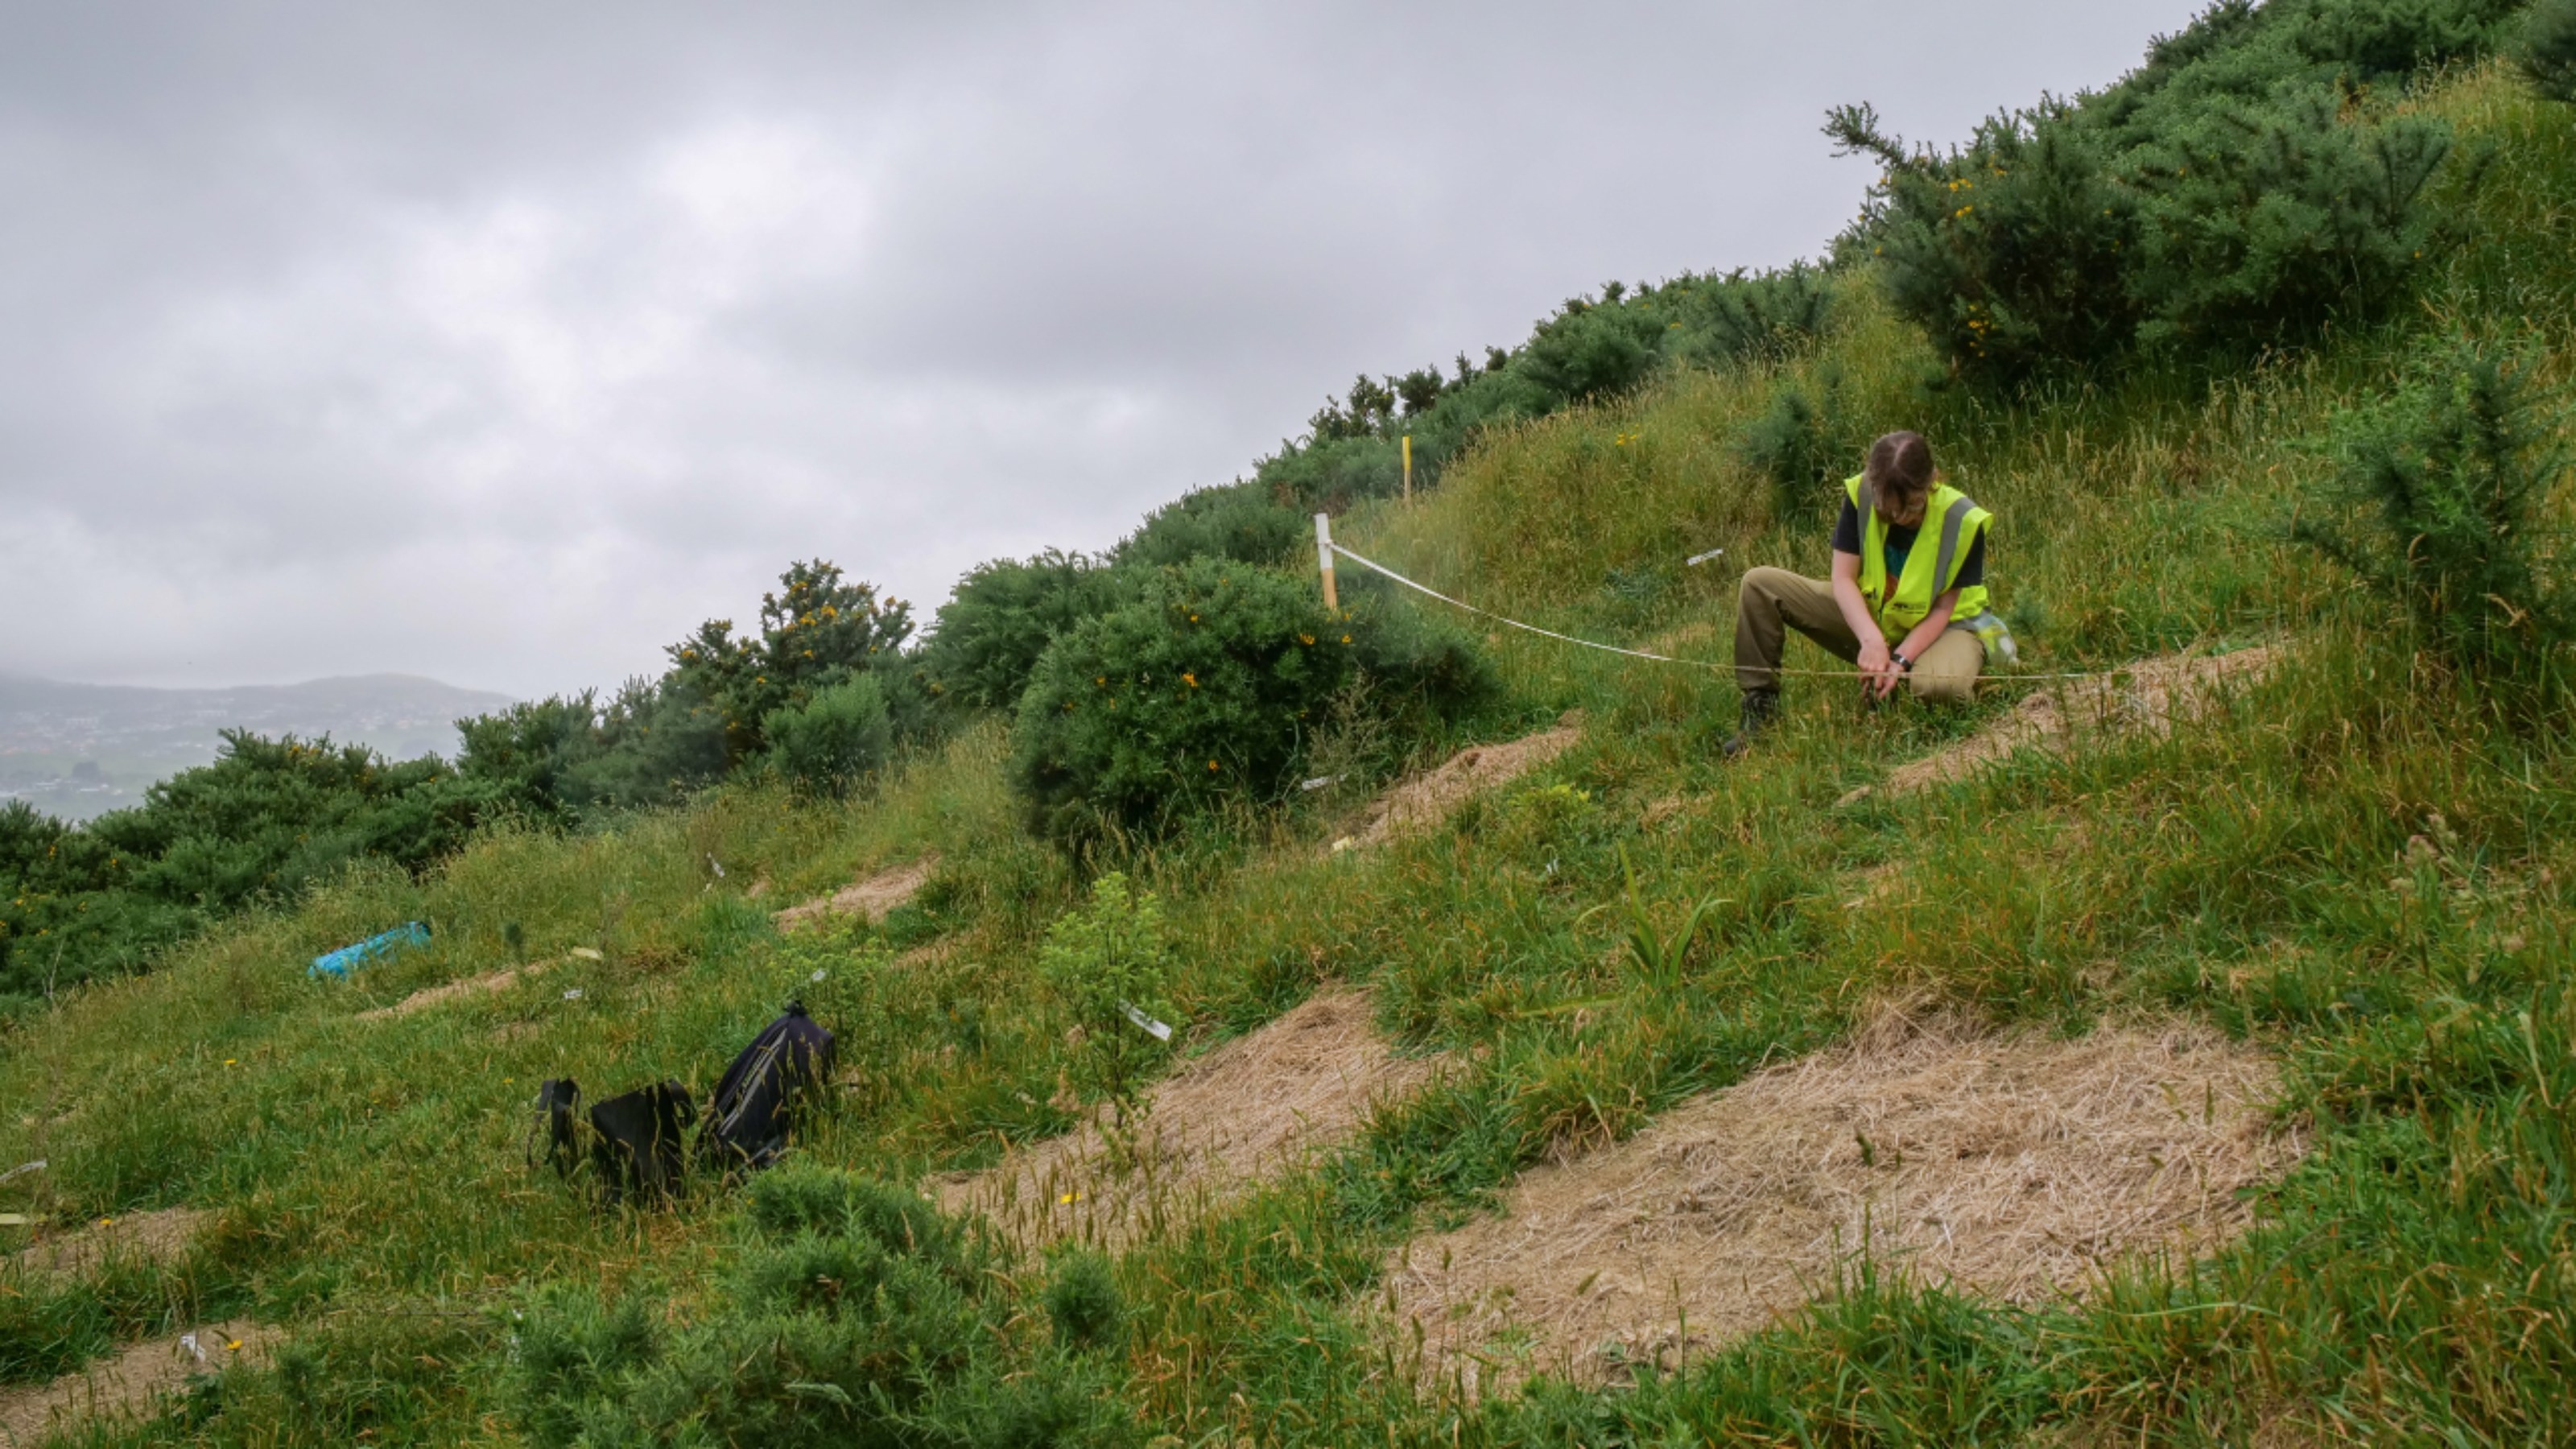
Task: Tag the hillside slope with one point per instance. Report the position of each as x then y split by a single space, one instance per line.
2353 868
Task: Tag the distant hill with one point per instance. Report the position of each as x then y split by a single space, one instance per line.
78 750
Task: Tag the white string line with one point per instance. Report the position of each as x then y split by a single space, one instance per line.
1666 658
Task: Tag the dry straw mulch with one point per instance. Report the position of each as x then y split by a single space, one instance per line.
127 1381
1424 801
2150 697
1254 1108
160 1236
871 897
2014 1165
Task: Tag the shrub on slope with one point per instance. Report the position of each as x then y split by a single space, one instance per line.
267 819
818 630
1210 685
568 757
832 740
2546 48
1202 689
2441 508
2227 195
1235 522
853 1314
1002 616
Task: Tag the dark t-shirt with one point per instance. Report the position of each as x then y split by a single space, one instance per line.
1900 542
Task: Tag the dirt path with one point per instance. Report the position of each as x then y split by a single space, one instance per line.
872 897
483 985
1252 1109
1422 802
2149 697
128 1380
160 1236
2011 1165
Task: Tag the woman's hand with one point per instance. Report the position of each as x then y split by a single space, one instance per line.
1879 671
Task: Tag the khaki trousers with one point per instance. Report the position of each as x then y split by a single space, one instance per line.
1774 600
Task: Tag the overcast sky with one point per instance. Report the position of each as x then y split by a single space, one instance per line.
504 343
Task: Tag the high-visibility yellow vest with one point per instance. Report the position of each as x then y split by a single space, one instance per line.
1952 524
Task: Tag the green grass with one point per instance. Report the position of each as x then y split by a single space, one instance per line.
2412 1281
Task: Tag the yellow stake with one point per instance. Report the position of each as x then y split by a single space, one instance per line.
1408 467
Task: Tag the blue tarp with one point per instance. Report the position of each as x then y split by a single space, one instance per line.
350 958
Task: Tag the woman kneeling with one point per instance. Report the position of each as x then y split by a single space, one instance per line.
1889 581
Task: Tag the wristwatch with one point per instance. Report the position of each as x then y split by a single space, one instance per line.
1903 664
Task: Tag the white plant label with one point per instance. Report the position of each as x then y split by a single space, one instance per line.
1155 1029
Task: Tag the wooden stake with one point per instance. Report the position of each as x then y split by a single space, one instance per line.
1408 467
1324 559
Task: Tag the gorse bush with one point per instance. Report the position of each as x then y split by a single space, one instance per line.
2371 40
1083 1301
1589 352
568 758
1242 524
2546 48
265 821
2229 194
1002 616
853 1315
2440 508
829 742
271 816
1209 686
1328 477
2008 252
1802 443
817 631
1102 961
799 1198
2262 219
1719 321
1199 690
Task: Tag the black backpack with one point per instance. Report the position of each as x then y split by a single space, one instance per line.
756 1105
635 1142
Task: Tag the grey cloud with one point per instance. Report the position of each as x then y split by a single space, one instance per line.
504 343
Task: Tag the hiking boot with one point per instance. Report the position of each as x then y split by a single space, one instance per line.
1761 711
